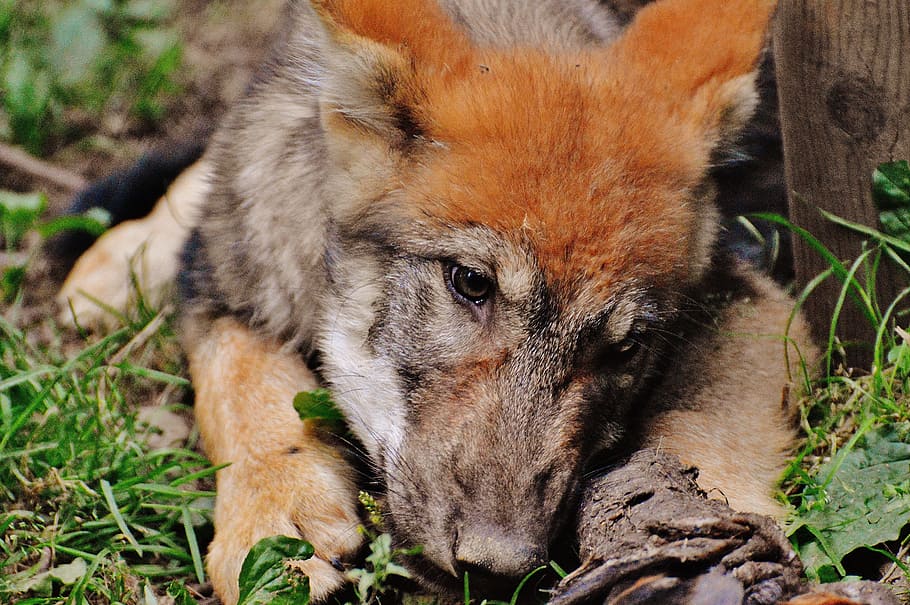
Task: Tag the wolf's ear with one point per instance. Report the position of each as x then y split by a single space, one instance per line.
699 58
379 54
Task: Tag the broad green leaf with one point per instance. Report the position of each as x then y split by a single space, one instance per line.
891 192
265 577
891 185
862 500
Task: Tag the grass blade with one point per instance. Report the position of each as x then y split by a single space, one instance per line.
194 545
118 517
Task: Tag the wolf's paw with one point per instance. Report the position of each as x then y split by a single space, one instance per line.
295 496
141 253
101 282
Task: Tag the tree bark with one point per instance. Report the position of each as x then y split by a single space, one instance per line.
843 71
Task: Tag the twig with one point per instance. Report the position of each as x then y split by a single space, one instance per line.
20 160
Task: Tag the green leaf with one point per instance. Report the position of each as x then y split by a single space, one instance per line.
899 357
77 40
94 222
27 87
861 501
891 185
891 193
11 281
42 583
18 214
318 405
265 577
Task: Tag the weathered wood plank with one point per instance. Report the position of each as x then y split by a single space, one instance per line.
843 69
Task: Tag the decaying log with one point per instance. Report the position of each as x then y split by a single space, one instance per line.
647 534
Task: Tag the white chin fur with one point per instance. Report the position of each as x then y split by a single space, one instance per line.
366 388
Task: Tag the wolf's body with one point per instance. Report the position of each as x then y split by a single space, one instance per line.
491 220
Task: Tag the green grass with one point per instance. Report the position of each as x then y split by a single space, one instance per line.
849 484
91 512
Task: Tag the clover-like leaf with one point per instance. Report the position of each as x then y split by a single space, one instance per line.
266 578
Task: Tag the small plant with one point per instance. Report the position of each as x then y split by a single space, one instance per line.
20 215
371 582
62 62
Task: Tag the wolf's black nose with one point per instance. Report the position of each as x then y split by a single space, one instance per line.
491 552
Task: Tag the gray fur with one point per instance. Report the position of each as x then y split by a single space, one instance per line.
305 246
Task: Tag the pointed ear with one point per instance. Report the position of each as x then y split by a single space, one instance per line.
379 53
700 58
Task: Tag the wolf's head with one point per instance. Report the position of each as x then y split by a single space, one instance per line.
512 229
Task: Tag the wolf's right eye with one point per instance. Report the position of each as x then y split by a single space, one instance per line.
471 284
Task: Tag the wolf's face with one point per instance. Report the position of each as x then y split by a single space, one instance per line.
481 387
513 232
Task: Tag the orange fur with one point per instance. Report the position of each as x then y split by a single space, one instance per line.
560 178
602 148
417 27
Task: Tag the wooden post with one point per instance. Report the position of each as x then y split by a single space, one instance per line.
843 69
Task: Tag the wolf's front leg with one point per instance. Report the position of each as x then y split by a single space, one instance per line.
733 416
282 479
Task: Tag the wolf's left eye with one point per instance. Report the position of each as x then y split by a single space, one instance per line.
471 284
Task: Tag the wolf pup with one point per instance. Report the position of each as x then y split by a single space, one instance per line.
492 222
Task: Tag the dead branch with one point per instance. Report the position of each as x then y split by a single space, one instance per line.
18 159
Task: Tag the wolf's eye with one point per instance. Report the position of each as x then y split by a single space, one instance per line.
471 284
624 350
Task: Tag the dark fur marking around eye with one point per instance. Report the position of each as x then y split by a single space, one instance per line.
543 309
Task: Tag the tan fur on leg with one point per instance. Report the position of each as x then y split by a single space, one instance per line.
282 480
735 422
147 247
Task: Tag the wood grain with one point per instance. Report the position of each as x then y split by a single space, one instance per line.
844 89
